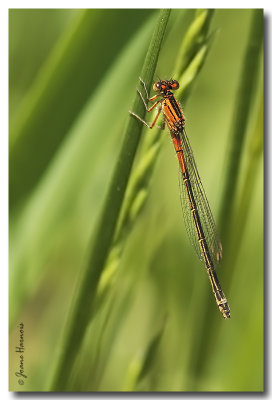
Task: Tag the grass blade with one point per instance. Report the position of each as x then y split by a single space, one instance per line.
83 306
203 342
245 94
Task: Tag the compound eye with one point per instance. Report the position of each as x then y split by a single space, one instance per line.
174 85
157 87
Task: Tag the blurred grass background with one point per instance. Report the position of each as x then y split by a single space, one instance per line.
73 75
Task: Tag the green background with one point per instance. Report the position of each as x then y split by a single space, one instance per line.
72 79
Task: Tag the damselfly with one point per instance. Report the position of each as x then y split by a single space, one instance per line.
198 217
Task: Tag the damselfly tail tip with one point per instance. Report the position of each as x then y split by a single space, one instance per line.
225 310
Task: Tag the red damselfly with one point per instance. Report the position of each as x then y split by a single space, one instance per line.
197 213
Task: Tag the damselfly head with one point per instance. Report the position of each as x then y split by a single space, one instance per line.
163 86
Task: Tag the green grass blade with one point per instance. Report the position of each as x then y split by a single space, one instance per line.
137 194
143 363
83 306
138 189
195 37
245 94
254 153
204 342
